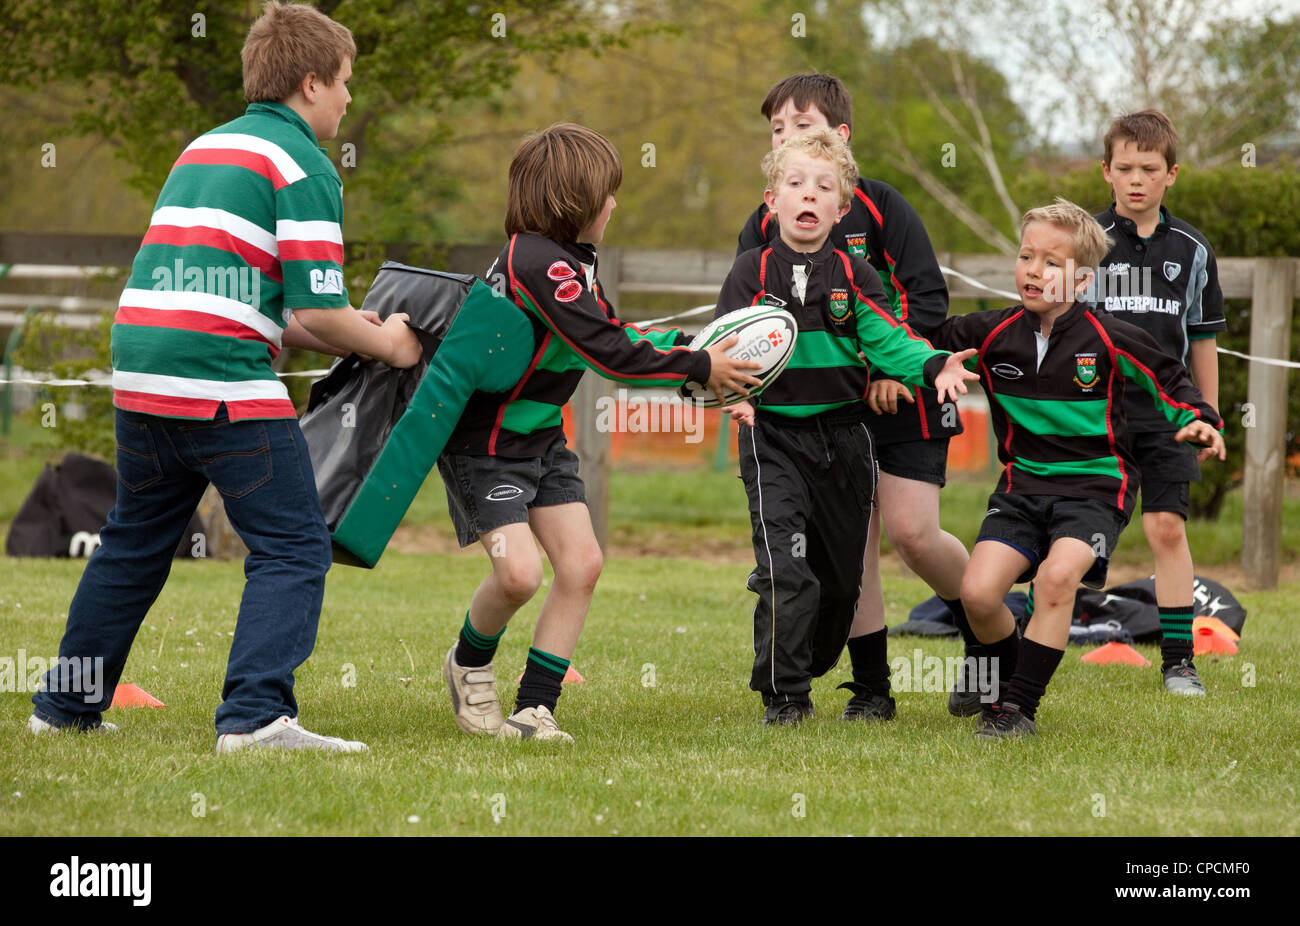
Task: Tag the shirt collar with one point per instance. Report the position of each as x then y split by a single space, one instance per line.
1129 227
802 257
1073 314
279 110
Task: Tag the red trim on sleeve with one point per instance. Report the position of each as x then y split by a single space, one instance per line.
1110 402
988 386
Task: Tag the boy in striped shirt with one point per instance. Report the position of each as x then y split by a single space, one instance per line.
1055 373
243 256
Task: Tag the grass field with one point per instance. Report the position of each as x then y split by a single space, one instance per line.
668 739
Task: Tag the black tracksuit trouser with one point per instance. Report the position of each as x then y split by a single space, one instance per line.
811 483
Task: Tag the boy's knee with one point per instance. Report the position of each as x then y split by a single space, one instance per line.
518 580
979 598
909 536
582 570
1165 530
1055 583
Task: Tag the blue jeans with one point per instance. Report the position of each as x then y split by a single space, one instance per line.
164 465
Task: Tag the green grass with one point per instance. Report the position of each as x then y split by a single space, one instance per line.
684 756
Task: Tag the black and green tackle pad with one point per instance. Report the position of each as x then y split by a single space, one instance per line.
374 432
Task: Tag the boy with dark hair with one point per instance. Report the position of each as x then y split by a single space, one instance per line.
910 428
197 401
1161 276
1055 374
806 455
508 473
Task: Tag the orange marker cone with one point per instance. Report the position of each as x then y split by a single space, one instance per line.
1115 654
1216 624
571 677
1208 640
134 696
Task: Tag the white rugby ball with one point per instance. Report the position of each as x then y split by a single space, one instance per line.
766 336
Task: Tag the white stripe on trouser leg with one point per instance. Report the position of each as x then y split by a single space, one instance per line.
771 567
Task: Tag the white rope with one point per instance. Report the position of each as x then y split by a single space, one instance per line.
108 380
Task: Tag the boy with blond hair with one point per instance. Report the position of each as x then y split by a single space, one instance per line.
806 455
1055 373
910 427
198 402
1161 276
509 475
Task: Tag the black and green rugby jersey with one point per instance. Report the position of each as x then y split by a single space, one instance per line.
882 227
842 312
573 328
1060 422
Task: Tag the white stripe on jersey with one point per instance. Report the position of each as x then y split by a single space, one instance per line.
209 304
289 230
207 217
282 160
182 387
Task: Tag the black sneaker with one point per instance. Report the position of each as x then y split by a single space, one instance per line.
787 713
965 699
1003 721
867 706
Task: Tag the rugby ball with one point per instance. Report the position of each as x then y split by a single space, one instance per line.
766 336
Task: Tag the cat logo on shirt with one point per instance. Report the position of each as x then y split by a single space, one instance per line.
1085 370
857 245
326 282
839 304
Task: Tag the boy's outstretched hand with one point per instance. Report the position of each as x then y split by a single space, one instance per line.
952 379
742 412
883 396
726 374
1202 433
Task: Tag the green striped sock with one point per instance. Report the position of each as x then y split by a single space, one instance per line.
475 649
1175 636
543 680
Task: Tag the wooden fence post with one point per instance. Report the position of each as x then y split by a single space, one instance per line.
1265 420
592 444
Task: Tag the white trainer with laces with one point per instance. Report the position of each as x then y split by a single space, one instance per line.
473 691
284 733
38 727
534 723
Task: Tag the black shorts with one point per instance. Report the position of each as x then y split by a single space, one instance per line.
1030 524
922 460
484 493
1167 467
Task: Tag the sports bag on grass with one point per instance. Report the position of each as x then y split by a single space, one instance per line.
374 432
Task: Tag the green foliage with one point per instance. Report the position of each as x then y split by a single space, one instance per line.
1243 212
82 418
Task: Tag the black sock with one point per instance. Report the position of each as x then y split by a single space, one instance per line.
1034 669
1175 636
475 649
542 682
869 657
958 610
1005 651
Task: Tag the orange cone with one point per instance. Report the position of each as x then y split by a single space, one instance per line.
1217 624
571 677
1208 640
1115 654
134 696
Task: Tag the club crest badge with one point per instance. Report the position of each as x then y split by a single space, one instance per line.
1085 370
857 245
1172 269
839 304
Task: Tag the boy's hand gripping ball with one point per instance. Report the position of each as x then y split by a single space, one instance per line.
765 335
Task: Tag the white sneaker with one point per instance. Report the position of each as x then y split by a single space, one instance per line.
536 723
473 693
38 727
284 733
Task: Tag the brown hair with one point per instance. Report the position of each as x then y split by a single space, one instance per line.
1091 243
823 143
827 93
559 181
288 42
1150 130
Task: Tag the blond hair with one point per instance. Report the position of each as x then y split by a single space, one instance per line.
821 143
1091 243
288 42
560 180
